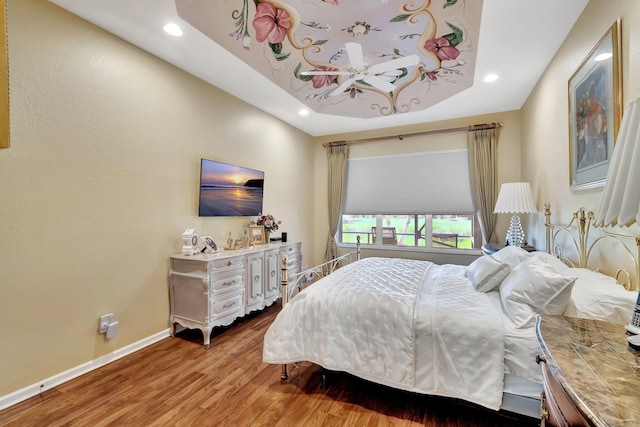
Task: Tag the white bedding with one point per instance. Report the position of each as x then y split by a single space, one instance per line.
408 324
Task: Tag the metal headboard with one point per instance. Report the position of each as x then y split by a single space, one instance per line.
578 231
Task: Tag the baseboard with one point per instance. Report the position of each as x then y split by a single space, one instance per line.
48 383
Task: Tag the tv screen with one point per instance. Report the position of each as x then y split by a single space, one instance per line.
227 190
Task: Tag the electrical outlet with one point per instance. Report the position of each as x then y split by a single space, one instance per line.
105 320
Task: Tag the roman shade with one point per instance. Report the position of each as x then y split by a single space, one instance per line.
431 183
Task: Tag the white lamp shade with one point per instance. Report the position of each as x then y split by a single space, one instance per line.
620 203
515 198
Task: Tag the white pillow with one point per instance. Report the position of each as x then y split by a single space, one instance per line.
486 273
534 287
511 255
599 297
555 262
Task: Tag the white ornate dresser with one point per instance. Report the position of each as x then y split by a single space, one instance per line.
209 290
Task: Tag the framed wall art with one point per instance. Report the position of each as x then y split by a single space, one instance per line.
4 78
595 111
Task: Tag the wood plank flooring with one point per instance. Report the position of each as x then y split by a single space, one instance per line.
175 382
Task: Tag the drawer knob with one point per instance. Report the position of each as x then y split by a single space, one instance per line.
540 359
229 305
228 263
229 283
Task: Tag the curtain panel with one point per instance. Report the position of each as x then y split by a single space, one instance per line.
337 162
483 171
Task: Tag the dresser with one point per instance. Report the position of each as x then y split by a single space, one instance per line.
209 290
591 375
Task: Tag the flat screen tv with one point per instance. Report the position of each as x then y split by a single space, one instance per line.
227 190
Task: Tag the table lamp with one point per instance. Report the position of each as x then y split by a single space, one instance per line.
620 205
515 198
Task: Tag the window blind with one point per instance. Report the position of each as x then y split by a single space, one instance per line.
430 183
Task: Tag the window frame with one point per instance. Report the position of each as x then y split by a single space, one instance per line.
428 236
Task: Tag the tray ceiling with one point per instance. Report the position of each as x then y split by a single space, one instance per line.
281 40
258 55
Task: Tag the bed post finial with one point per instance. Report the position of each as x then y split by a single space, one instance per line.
548 226
358 247
285 298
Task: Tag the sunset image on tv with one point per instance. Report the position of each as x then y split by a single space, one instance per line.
227 190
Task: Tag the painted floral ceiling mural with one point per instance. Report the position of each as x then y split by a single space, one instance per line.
285 40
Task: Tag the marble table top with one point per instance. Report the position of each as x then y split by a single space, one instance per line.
594 363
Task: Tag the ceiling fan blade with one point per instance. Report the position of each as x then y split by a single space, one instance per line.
345 84
391 73
394 64
354 52
379 83
325 73
386 78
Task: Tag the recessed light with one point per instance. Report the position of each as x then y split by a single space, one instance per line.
603 56
173 29
490 78
303 112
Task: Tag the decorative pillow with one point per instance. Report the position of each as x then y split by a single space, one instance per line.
599 297
486 273
511 255
534 287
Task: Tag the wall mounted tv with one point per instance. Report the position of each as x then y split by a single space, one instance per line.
227 190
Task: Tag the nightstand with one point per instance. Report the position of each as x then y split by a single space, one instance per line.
492 248
591 375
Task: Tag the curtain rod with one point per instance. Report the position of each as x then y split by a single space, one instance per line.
401 137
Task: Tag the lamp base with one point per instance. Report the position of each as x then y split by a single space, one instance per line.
515 234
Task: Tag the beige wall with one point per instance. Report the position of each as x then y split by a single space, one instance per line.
101 178
509 168
101 181
545 137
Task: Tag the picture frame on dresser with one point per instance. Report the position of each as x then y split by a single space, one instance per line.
257 234
595 111
209 244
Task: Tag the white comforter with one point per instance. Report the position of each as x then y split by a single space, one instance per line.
408 324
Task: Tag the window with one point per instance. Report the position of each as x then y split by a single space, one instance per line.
454 231
397 197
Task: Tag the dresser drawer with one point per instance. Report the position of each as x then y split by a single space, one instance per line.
291 250
226 263
227 282
220 307
560 409
293 258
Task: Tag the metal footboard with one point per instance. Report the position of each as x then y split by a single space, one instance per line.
297 281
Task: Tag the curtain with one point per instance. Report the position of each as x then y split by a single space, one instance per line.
337 159
483 157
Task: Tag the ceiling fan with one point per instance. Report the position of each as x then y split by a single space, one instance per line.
377 75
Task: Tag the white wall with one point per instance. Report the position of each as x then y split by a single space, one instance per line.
545 136
102 179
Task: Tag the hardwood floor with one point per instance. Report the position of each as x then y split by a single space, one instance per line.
175 382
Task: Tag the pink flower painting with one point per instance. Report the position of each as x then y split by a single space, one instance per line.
442 48
271 23
319 81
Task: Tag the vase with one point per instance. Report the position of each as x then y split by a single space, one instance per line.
266 236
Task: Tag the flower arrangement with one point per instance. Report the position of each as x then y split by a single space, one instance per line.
268 222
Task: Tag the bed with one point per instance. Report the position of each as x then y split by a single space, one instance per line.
465 332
